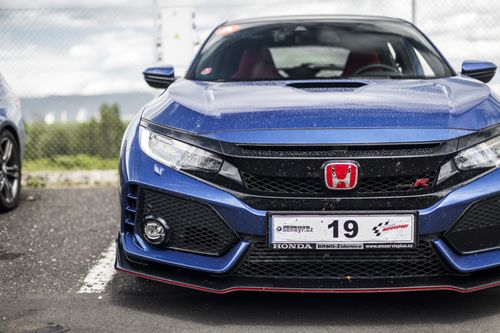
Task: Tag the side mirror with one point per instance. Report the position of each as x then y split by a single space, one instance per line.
159 77
481 70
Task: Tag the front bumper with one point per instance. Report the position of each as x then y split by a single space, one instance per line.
468 273
222 285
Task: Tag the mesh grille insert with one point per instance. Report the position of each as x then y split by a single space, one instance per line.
262 261
481 215
195 227
290 185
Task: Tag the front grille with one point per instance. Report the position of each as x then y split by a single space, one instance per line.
281 184
311 185
396 184
195 227
481 215
264 262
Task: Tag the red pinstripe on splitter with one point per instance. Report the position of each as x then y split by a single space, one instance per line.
318 291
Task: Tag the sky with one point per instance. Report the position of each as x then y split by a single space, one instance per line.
53 47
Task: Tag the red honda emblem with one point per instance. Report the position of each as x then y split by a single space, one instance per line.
341 175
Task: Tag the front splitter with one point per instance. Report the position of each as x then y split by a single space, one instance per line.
226 284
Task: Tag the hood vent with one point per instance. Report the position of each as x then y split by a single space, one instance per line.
327 86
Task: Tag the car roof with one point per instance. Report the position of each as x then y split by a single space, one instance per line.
312 18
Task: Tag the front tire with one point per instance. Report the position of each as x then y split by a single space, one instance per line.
10 171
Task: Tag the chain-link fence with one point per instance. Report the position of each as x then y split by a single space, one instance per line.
78 70
78 73
463 30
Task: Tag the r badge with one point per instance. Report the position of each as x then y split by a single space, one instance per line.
341 175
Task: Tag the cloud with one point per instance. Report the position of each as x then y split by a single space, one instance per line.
113 61
107 63
208 15
71 3
76 51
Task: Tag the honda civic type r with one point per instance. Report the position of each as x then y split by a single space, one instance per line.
315 154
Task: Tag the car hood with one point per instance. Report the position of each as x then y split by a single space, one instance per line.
454 106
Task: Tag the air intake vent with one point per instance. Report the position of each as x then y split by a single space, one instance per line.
327 86
131 204
263 262
478 229
195 227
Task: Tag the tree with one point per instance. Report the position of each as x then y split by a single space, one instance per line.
110 132
97 138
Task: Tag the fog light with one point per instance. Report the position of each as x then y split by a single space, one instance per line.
155 230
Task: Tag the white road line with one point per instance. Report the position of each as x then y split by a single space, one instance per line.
101 274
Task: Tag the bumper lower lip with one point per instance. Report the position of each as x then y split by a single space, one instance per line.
218 285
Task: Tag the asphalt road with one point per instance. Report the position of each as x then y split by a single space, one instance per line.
49 244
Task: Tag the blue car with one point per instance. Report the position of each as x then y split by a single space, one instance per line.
315 154
11 147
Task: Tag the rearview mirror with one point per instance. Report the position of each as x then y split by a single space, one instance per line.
481 70
159 77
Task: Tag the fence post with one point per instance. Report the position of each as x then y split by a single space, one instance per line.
414 11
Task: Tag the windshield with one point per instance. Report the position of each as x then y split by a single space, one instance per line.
317 50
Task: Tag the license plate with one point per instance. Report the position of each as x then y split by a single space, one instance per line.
343 231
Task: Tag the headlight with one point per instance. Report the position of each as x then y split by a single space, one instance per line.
177 154
483 155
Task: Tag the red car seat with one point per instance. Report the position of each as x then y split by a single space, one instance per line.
256 63
358 59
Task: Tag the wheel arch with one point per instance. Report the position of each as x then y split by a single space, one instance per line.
12 128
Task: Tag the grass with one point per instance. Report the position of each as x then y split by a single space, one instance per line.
70 162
